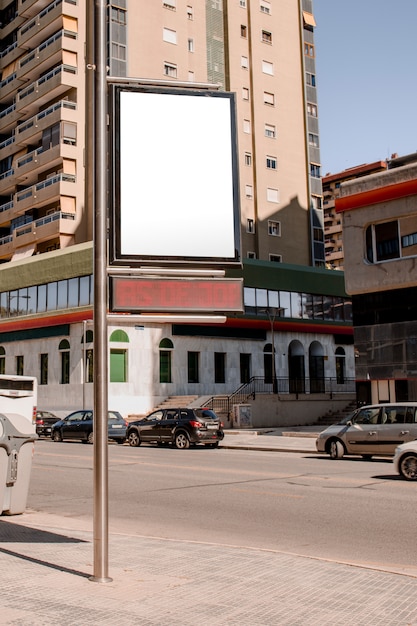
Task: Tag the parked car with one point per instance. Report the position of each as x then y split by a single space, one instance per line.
405 460
371 430
44 423
79 425
178 426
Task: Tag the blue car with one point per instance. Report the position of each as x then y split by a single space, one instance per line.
79 425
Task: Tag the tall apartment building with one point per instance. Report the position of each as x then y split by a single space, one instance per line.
297 319
261 50
333 235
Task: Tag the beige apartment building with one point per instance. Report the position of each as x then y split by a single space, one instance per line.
261 50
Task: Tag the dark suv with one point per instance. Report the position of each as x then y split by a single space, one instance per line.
180 427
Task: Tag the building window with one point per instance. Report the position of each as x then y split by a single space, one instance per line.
191 76
270 131
244 62
269 98
190 12
268 68
266 36
249 191
64 349
313 140
251 255
242 4
265 7
165 361
272 195
245 93
43 378
274 228
271 163
89 370
2 360
169 4
118 365
170 70
311 79
245 367
309 49
118 16
192 366
250 226
118 51
275 258
219 367
312 109
246 126
248 158
315 170
191 45
170 36
243 31
19 365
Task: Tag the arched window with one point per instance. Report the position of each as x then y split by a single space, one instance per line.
119 336
165 360
2 360
296 373
340 365
118 357
64 348
316 367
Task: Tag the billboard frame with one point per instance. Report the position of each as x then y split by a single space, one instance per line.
122 210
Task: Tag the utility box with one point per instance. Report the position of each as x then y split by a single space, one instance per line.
17 435
242 416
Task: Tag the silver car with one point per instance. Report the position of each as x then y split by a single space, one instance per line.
405 460
371 430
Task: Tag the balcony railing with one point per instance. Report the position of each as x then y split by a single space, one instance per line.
67 104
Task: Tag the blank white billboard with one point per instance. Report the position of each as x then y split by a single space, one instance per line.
175 192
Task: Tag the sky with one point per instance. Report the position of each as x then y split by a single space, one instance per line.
366 77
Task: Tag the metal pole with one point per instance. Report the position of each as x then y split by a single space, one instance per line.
100 573
274 373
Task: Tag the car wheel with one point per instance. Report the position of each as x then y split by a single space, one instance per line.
408 467
336 449
90 437
134 439
181 441
57 436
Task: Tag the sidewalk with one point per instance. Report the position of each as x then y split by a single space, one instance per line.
46 561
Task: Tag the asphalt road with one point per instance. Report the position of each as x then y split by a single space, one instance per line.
350 510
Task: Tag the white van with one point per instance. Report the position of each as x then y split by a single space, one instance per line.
373 430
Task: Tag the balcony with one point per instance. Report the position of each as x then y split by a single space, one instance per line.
45 192
9 54
7 147
50 86
6 247
8 118
45 228
48 54
8 86
30 131
30 8
6 213
42 26
29 166
7 182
